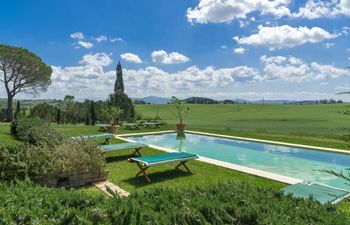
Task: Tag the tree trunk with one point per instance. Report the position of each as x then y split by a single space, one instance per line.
9 111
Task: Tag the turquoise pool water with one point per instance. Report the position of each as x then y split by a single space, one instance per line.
293 162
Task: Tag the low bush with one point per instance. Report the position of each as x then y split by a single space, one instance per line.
225 203
34 161
36 132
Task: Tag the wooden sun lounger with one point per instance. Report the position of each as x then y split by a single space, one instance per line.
150 125
105 136
123 146
102 127
132 126
146 161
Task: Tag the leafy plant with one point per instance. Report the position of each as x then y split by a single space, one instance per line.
181 109
112 114
224 203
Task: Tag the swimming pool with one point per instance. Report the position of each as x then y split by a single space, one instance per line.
288 161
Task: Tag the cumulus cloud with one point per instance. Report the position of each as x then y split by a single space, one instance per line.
223 11
293 69
130 57
315 9
84 44
163 57
77 35
97 59
239 50
285 36
90 79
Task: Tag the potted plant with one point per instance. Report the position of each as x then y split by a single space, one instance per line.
112 114
181 111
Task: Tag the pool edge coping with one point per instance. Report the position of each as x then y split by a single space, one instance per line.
244 169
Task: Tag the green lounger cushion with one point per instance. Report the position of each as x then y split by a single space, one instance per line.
121 146
94 137
164 158
320 192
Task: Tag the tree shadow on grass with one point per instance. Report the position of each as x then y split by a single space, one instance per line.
157 177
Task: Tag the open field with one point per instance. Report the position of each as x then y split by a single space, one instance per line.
320 125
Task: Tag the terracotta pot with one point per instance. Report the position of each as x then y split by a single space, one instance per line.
180 127
112 129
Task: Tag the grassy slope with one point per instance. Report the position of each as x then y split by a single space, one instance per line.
321 125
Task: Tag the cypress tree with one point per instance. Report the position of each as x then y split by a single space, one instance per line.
18 109
58 116
93 113
119 83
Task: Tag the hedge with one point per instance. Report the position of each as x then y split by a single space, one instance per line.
36 132
225 203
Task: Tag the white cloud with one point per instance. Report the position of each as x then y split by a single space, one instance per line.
239 50
97 59
293 69
118 39
163 57
100 38
315 9
77 35
223 11
84 44
285 36
130 57
328 44
90 80
223 47
349 58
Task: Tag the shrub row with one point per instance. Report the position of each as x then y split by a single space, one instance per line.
226 203
47 155
36 132
34 161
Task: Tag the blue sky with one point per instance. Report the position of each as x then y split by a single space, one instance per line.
224 49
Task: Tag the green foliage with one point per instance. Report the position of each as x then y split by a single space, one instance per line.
35 161
122 101
22 71
226 203
35 131
44 111
111 114
181 109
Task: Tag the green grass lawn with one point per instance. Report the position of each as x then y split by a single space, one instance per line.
320 125
5 135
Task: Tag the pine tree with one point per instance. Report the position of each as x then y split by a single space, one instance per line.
119 83
93 113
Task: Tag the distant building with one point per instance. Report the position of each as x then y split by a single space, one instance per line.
119 83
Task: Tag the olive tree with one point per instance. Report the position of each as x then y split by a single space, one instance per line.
22 71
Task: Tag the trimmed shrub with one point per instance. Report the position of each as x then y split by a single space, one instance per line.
36 132
225 203
36 161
